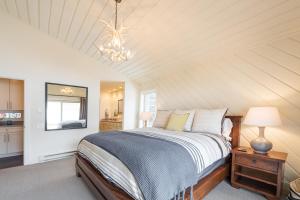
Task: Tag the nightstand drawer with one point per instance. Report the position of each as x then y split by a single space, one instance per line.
263 164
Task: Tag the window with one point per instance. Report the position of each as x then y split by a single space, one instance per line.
54 113
70 111
148 104
60 111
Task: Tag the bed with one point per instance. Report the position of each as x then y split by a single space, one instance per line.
73 124
106 189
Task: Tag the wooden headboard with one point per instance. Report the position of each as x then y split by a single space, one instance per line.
235 132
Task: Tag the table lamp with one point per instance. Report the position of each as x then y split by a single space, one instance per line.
262 117
145 116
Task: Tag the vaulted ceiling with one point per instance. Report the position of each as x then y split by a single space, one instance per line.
165 35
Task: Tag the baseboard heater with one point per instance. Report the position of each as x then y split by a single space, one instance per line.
57 156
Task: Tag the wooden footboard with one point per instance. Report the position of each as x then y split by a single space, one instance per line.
206 184
104 190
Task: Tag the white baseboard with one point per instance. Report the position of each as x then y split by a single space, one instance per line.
56 156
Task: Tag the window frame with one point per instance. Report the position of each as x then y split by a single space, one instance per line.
143 103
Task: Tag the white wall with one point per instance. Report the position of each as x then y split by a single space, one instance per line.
30 55
266 75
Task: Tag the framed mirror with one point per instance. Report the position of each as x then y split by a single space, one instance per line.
120 106
66 107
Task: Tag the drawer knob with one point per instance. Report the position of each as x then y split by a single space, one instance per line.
254 161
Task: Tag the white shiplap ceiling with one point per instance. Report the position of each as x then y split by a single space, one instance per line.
164 34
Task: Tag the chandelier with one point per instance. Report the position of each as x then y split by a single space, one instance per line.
67 90
113 41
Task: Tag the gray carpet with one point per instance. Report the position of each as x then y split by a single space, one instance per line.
56 180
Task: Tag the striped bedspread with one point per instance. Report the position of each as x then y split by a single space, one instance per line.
204 148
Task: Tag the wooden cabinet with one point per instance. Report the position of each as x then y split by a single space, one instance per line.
110 125
12 94
261 173
15 142
16 95
3 145
4 97
11 141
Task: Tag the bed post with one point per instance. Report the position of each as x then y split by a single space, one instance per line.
76 166
205 185
235 132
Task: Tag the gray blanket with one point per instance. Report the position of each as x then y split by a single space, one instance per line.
161 168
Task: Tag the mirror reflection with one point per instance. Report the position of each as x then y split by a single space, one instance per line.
66 107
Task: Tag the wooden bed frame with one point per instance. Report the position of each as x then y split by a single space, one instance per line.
105 190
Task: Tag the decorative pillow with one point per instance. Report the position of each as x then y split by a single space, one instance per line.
189 122
209 121
226 128
162 118
177 122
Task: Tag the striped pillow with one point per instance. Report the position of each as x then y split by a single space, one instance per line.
162 118
209 121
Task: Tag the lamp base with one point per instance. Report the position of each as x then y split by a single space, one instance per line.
260 152
261 145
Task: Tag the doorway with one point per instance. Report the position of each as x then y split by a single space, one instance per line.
11 122
111 105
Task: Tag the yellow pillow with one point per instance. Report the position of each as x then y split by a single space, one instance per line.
177 121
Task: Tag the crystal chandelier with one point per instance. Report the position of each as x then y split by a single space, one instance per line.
67 90
113 40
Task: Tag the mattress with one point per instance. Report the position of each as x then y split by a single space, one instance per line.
215 148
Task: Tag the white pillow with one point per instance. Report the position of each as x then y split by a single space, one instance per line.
226 128
189 122
209 121
162 118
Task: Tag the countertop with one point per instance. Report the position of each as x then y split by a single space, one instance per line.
4 124
11 126
111 120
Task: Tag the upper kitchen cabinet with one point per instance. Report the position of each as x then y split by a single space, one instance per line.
4 91
16 95
12 94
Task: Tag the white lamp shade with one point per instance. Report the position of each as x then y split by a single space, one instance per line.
262 117
145 116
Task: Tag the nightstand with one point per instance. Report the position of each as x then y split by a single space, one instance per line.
261 173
